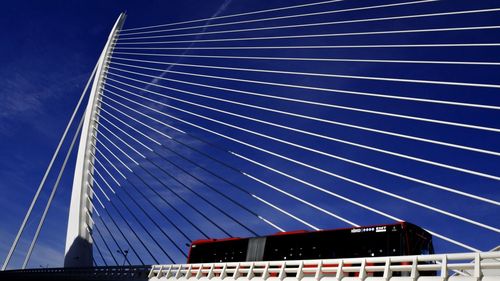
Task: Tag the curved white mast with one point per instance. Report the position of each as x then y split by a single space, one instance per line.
78 251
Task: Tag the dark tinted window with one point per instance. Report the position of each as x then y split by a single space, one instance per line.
224 251
420 242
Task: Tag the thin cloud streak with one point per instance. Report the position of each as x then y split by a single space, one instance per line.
219 11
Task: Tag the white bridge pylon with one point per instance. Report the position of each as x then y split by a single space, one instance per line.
78 251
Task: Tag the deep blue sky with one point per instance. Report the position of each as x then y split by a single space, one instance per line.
49 49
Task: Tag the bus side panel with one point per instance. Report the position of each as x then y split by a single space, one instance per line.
345 243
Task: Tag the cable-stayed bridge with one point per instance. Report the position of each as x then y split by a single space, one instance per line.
314 116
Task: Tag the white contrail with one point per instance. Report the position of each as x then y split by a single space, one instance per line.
219 11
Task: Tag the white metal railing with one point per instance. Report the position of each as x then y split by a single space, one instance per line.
485 266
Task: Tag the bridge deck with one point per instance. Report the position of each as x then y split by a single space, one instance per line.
466 266
459 267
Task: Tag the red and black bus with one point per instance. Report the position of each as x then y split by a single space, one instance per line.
398 239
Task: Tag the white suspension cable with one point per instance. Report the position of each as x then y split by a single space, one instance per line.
383 113
47 171
152 108
105 243
141 133
277 189
233 15
123 152
370 167
128 225
134 102
286 213
304 36
253 195
272 224
113 154
472 172
94 195
110 162
149 117
337 91
266 184
348 125
52 194
100 188
119 230
93 206
166 235
327 172
421 160
88 230
127 134
103 179
117 227
351 201
90 217
135 217
479 63
266 19
140 122
107 171
327 23
117 147
430 184
301 200
444 238
135 187
326 75
144 211
442 45
136 140
145 115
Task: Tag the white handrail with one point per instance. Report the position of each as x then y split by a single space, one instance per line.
384 268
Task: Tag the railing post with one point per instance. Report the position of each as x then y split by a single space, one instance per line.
444 267
387 269
223 272
477 265
319 274
339 274
265 272
78 251
414 268
169 272
282 273
362 269
300 272
250 273
211 273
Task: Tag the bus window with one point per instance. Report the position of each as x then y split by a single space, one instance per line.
222 251
420 242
